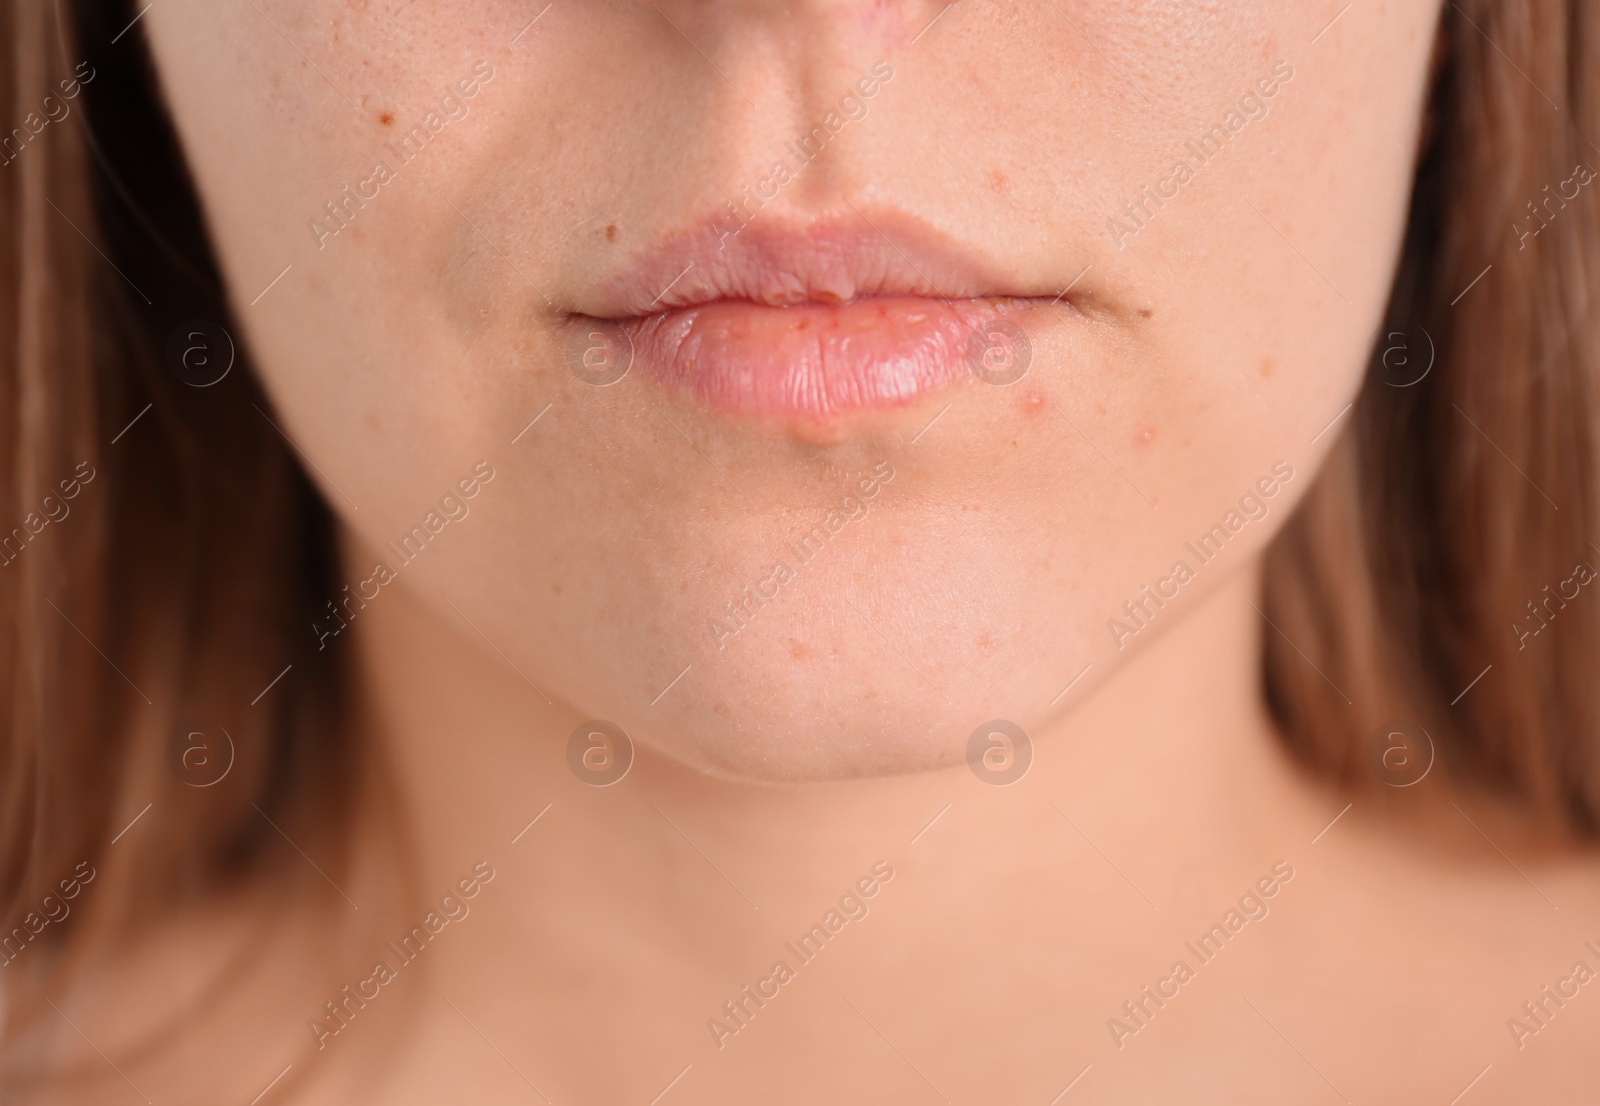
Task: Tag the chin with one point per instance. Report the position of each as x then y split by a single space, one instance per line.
837 685
793 737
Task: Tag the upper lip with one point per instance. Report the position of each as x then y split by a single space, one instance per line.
780 262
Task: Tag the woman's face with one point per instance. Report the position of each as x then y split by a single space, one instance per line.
950 331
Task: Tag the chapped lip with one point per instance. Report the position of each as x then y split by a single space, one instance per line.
805 323
778 264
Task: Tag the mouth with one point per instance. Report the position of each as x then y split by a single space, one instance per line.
806 325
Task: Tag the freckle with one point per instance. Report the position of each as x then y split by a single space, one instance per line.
611 232
1266 368
386 118
1145 312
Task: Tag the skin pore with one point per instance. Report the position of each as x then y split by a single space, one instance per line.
1192 335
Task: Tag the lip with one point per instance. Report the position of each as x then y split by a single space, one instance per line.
806 324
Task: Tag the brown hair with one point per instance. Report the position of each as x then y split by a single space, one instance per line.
176 593
161 551
1467 495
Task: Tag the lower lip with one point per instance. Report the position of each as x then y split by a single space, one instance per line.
813 363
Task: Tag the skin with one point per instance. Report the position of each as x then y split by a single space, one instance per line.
1217 342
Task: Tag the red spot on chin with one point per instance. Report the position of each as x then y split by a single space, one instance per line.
1144 435
1033 402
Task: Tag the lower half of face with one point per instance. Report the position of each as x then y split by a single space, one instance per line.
800 386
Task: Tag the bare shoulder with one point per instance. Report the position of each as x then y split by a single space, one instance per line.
1463 946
